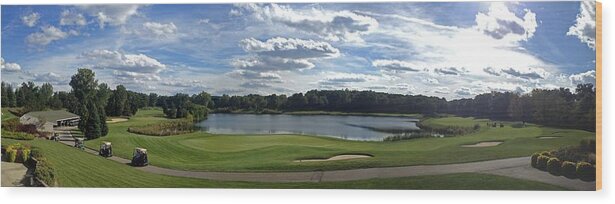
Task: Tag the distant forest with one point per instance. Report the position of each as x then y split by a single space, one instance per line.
554 107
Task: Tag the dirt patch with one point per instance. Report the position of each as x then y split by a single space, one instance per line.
484 144
117 120
337 157
548 137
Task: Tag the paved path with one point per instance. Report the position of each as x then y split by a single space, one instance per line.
12 174
513 167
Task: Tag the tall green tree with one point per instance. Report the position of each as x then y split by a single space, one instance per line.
5 99
86 90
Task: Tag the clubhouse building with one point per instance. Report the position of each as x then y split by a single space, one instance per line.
45 121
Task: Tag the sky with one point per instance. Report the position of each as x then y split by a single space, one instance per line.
451 50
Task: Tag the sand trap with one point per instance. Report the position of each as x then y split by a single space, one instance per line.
117 120
548 137
483 144
338 157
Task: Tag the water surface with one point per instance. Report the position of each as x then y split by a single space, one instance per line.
345 127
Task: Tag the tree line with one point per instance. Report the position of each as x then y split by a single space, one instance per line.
553 107
94 102
333 100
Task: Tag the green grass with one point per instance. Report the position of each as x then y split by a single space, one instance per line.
75 168
454 121
6 114
200 151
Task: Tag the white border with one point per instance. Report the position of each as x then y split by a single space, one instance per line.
181 196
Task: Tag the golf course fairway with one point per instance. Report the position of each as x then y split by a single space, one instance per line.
201 151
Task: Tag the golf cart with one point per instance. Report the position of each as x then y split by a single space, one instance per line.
105 149
139 157
79 143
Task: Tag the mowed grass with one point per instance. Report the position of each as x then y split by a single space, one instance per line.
200 151
455 121
6 114
76 168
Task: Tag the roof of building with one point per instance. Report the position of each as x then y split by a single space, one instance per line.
51 116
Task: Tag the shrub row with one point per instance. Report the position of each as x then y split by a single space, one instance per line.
175 127
546 161
17 135
17 153
43 170
13 125
407 136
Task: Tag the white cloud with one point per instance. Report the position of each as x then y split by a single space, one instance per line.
430 81
583 78
330 25
585 26
184 84
279 54
247 74
71 18
127 65
51 78
531 74
30 20
160 30
450 71
336 80
500 23
464 92
442 90
395 66
47 35
255 85
290 48
9 67
113 15
492 71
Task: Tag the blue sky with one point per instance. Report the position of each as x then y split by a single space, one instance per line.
451 50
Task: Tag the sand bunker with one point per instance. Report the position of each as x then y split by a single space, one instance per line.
548 137
483 144
338 157
117 120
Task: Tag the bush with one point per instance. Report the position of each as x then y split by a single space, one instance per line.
568 169
554 165
45 172
476 126
13 126
17 135
546 154
10 155
541 163
17 153
586 171
534 160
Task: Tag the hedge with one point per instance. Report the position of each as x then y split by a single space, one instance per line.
44 171
17 135
569 169
17 153
534 160
554 165
586 171
541 163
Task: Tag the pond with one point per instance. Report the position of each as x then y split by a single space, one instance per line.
344 127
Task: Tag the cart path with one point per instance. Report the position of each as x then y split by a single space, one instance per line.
13 174
512 167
